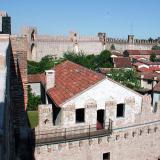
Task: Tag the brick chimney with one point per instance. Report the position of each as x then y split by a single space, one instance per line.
50 79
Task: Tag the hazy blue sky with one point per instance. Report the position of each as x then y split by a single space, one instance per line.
117 18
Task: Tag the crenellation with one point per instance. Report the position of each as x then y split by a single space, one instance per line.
120 138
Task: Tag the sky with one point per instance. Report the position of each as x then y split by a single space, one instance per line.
118 18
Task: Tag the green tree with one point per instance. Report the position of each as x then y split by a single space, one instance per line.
129 77
33 100
46 63
112 47
156 47
153 57
103 60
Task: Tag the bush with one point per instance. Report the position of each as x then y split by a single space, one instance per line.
33 100
153 57
156 47
103 60
46 63
112 47
129 78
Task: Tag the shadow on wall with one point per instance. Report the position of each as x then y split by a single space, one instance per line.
22 133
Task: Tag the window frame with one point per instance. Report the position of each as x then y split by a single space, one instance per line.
118 105
76 110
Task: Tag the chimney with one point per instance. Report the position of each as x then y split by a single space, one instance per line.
50 79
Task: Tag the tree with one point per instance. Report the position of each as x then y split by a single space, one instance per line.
104 59
94 62
156 47
112 47
128 77
46 63
33 100
153 57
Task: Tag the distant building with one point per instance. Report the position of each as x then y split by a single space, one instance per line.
134 54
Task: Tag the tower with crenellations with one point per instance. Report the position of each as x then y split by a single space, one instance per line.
56 45
5 23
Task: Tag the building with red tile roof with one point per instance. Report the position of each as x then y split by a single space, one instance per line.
70 80
130 53
69 84
122 62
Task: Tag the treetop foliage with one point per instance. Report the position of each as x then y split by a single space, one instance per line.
46 63
127 77
94 62
156 47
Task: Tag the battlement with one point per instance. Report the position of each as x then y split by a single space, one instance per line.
86 38
46 38
135 41
116 40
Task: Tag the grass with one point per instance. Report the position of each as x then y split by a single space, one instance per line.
33 118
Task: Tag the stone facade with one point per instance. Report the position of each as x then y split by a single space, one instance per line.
131 142
135 134
140 143
41 45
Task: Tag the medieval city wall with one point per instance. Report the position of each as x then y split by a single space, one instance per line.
56 49
134 143
122 46
42 45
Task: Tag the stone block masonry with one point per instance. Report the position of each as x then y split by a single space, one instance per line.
137 143
41 45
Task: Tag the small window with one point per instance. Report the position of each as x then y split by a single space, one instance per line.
80 115
120 110
106 156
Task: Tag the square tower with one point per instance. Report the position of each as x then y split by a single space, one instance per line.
5 23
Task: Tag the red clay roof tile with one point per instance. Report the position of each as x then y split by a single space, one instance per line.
71 79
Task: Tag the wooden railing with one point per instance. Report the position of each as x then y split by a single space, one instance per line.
72 134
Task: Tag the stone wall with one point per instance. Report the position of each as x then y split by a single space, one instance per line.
42 45
18 80
133 143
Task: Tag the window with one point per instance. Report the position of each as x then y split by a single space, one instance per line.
120 110
80 115
106 156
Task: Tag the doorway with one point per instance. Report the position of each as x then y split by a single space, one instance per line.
100 119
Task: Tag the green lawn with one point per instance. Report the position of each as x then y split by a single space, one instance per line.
33 118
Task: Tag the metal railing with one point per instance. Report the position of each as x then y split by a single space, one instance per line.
72 134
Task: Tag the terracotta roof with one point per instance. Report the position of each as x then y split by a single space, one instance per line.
34 78
151 75
122 62
138 64
148 62
71 79
141 52
157 87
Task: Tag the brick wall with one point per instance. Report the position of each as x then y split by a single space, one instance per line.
19 80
